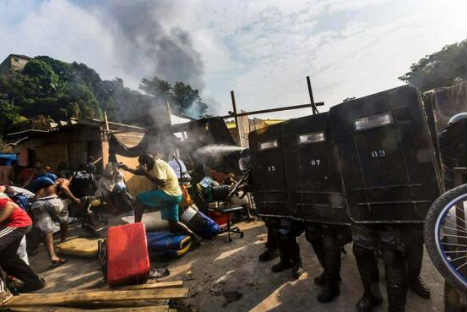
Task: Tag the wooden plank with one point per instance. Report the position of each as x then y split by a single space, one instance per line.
127 303
172 284
82 298
162 308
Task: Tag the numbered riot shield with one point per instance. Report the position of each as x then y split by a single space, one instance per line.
314 178
387 157
267 175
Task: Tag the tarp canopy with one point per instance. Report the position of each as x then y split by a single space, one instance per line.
196 134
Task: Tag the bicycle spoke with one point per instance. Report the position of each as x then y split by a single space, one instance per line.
453 244
460 267
458 258
454 251
457 236
454 229
460 220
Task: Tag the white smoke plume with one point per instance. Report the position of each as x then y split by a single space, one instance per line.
217 149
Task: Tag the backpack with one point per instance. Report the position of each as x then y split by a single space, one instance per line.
83 184
22 201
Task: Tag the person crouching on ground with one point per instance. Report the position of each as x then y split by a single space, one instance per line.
48 210
14 224
167 196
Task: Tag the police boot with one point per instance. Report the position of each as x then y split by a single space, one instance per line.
368 268
317 245
329 292
418 287
268 255
332 265
368 302
320 280
285 260
297 270
396 280
414 266
294 251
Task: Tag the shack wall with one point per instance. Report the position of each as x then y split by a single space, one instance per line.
69 146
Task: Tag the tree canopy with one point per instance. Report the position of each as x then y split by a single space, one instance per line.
49 89
182 97
439 69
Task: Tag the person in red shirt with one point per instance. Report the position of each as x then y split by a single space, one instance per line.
14 224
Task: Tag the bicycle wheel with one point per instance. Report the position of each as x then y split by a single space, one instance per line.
446 236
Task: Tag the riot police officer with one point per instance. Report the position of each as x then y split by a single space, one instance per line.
289 251
327 242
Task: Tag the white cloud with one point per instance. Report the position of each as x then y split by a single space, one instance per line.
277 48
63 31
262 49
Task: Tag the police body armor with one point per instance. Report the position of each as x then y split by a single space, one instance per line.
387 157
295 172
314 173
268 173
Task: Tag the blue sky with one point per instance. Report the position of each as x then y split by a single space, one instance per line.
262 49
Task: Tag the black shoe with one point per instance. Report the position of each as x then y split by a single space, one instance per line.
320 280
268 255
281 266
418 287
329 293
367 303
33 287
297 271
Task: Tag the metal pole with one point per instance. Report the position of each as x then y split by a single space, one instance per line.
234 106
310 92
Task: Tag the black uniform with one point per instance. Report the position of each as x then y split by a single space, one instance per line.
272 241
389 239
327 242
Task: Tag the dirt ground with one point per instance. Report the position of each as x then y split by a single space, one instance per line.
226 276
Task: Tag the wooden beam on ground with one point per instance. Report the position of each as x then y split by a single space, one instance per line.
91 297
127 303
162 308
156 285
171 284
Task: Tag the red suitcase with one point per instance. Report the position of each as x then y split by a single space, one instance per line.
127 254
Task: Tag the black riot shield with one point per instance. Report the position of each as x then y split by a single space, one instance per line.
313 176
387 157
268 172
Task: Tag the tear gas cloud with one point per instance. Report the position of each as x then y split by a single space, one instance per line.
146 47
217 149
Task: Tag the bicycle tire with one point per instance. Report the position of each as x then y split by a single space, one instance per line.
433 217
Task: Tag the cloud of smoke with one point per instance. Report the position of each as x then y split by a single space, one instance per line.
144 46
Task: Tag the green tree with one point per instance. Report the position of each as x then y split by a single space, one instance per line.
156 87
43 75
439 69
182 97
